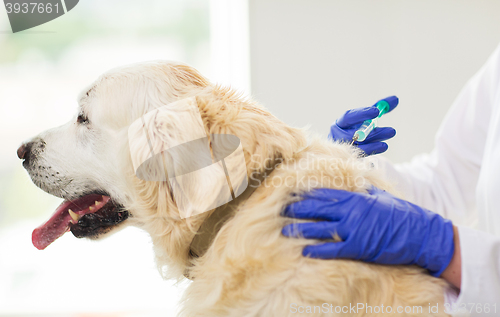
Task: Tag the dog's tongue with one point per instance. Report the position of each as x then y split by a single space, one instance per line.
60 221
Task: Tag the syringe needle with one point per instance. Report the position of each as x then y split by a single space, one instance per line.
354 139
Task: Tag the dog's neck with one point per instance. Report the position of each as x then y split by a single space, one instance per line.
212 225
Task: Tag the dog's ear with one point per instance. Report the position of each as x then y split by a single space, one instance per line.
170 144
183 79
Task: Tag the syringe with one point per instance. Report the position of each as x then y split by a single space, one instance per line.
368 125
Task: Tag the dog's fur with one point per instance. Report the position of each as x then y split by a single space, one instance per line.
250 269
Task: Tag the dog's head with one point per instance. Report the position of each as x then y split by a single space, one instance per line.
88 161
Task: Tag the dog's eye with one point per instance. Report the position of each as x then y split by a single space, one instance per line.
82 119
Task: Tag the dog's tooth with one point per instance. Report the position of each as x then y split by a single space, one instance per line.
96 203
91 208
73 215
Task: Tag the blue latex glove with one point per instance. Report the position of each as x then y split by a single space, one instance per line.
375 227
343 129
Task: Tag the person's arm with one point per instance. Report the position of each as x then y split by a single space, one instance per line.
453 273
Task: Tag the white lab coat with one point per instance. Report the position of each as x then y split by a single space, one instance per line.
460 179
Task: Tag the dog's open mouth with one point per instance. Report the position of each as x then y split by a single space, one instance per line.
87 216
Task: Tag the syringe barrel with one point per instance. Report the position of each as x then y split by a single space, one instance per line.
365 129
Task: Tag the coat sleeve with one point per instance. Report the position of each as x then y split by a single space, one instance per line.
445 180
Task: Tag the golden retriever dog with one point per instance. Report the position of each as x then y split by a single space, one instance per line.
239 264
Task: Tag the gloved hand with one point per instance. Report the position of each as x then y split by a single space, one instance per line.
375 227
343 129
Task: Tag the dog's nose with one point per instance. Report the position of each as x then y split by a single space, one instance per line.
24 149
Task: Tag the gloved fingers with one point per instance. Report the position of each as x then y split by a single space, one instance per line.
356 116
314 210
331 250
374 148
319 204
314 230
379 134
